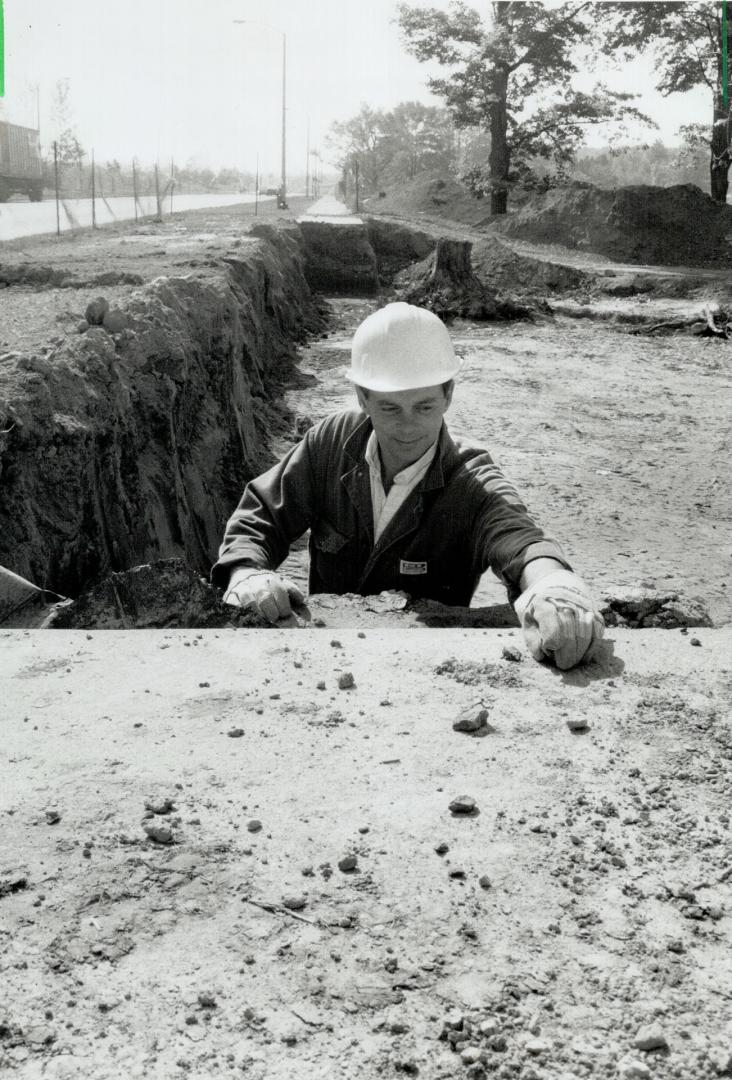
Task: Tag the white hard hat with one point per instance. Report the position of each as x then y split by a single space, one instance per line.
402 347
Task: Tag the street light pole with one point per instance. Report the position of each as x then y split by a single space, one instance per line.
284 122
267 26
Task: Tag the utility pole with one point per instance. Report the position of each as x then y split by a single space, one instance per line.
256 186
55 177
307 163
93 193
284 121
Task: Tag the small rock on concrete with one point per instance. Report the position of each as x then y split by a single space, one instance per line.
53 817
96 310
159 833
235 733
650 1037
485 882
470 1055
538 1046
631 1069
510 652
473 718
463 804
294 903
578 723
442 849
206 1000
347 863
254 825
346 681
160 805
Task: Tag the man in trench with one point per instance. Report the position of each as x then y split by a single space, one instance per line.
392 501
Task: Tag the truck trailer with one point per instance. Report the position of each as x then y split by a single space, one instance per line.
21 170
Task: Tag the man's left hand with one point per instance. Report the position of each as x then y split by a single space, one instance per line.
559 619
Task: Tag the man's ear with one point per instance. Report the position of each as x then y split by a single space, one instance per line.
448 393
361 398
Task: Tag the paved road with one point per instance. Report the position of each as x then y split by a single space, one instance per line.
30 219
330 209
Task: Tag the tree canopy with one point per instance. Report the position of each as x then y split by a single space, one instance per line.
686 41
388 146
513 77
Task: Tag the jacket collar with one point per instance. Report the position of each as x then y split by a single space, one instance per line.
354 450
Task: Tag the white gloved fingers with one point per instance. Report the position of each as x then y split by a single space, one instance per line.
575 639
533 634
268 607
295 593
238 596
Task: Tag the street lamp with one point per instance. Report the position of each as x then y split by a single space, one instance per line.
283 184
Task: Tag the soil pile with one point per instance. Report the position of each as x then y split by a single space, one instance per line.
675 226
432 195
133 439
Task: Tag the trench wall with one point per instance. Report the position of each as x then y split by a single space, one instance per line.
122 447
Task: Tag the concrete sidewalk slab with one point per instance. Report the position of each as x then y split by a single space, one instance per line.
586 896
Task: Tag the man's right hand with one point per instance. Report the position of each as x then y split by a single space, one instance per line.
264 590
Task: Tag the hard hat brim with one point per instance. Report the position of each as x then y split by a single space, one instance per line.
393 385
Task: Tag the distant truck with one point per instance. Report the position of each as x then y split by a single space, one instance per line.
21 169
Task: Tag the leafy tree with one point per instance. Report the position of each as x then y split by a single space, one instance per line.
386 147
418 137
496 72
686 39
361 144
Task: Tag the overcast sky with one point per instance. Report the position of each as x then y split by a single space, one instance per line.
178 78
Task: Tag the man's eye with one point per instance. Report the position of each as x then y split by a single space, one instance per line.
426 408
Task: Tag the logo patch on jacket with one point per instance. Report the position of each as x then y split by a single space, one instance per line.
406 567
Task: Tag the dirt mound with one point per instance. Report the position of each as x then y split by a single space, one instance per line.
496 264
432 195
674 226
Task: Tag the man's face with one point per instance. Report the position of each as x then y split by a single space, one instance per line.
406 422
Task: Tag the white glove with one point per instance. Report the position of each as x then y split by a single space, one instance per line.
264 590
559 619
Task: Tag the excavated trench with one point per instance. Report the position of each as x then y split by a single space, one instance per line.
127 437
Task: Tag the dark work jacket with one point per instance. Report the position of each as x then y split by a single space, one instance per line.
462 518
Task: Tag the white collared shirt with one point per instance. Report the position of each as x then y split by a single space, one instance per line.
385 506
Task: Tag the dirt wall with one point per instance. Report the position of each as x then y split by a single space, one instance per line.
132 440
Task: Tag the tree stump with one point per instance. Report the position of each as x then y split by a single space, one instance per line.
450 287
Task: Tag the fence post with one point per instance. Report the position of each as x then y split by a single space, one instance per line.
55 184
256 186
134 186
157 193
172 184
93 193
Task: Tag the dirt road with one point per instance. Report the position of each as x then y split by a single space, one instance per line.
175 807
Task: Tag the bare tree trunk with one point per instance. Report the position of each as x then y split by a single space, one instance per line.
499 157
719 165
